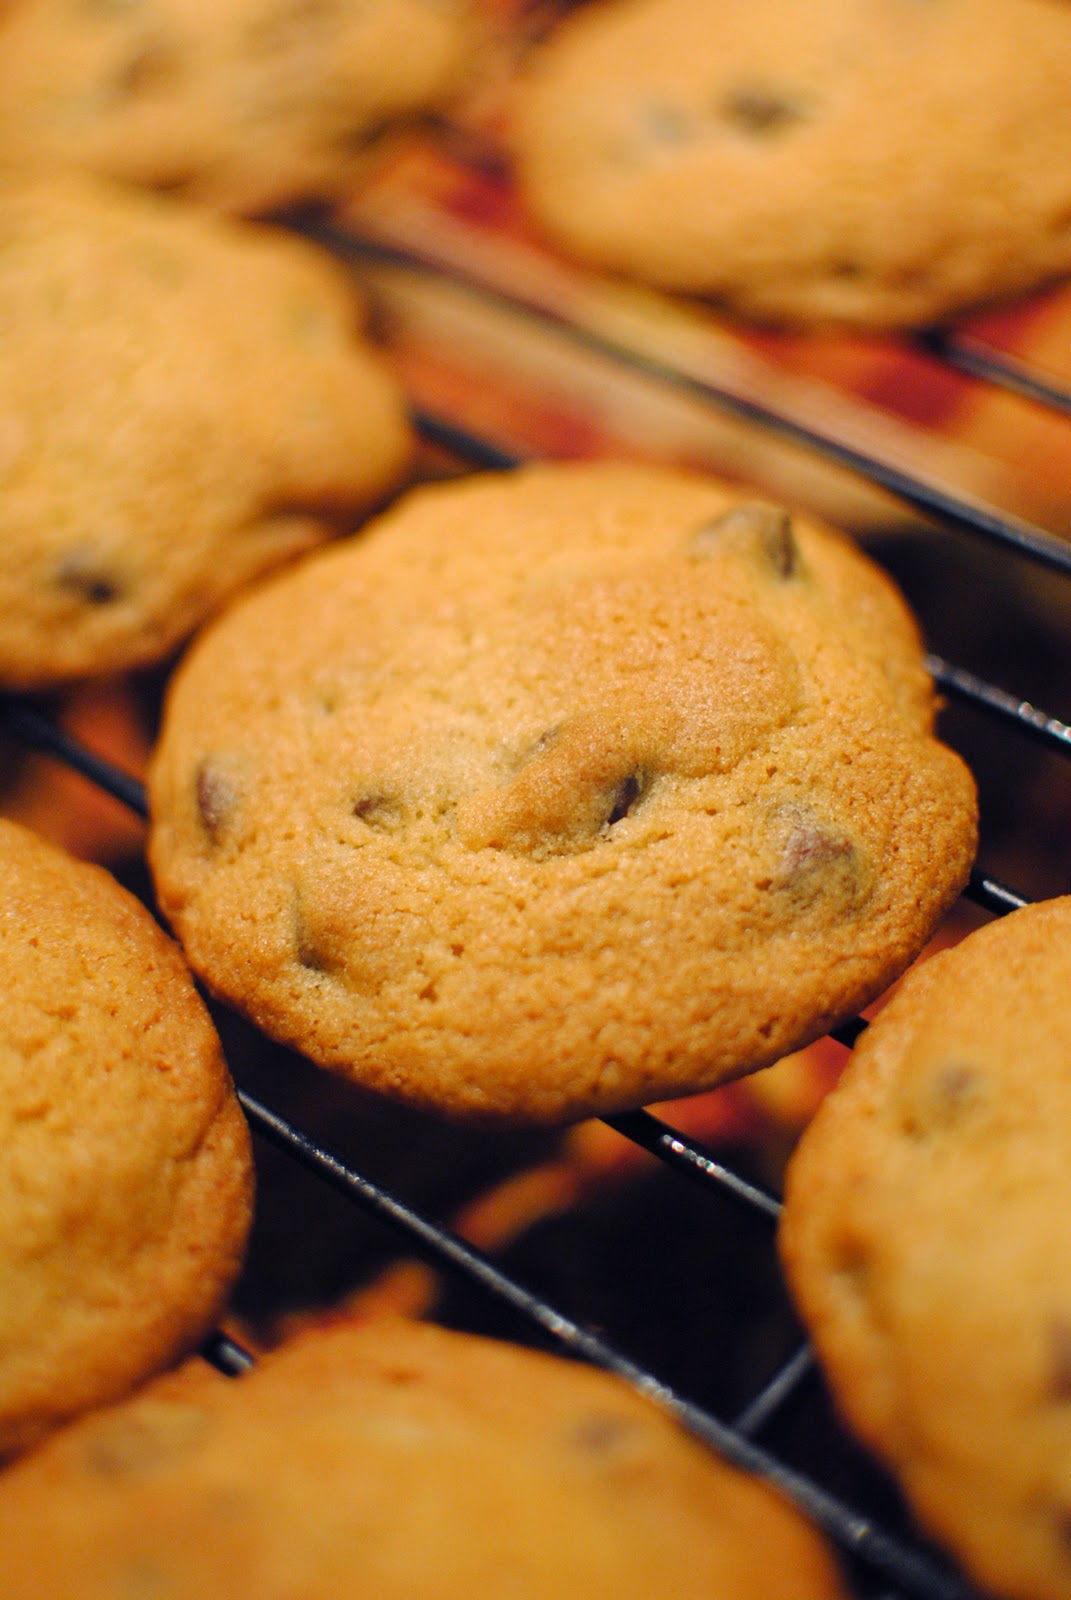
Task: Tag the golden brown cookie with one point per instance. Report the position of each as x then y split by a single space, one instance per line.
125 1171
557 792
248 105
872 162
397 1461
185 400
925 1238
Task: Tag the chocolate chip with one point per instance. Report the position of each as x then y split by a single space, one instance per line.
306 951
566 793
363 136
847 271
379 811
83 574
818 860
851 1264
627 793
763 529
957 1084
217 798
601 1433
402 1377
760 112
942 1099
814 849
145 69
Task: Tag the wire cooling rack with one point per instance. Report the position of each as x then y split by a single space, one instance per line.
846 1496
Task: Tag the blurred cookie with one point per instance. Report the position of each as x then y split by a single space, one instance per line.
398 1460
559 792
248 105
924 1235
185 400
125 1170
871 162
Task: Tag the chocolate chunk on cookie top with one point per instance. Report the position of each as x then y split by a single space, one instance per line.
925 1239
559 791
878 163
185 401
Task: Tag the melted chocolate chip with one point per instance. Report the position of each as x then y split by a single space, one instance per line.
760 112
628 792
217 798
601 1433
363 136
147 67
309 949
763 529
83 575
567 790
943 1099
819 868
379 811
306 951
852 1267
814 849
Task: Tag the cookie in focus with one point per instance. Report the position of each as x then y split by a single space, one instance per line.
559 792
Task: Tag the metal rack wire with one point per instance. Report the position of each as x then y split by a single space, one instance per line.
886 1560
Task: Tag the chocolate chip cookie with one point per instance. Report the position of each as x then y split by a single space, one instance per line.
925 1236
399 1461
185 400
248 105
877 163
125 1167
558 792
